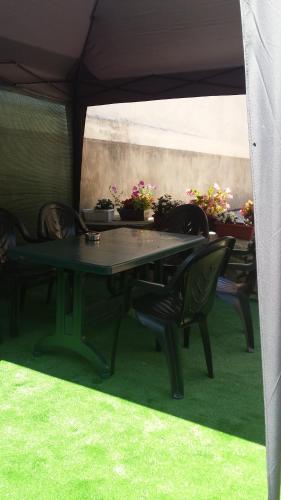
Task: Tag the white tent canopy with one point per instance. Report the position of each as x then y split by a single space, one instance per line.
107 51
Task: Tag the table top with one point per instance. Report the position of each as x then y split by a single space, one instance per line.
118 250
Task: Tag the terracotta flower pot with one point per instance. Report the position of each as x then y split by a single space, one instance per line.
131 214
240 231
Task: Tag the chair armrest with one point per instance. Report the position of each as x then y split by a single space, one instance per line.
239 252
152 287
33 239
80 225
242 266
26 235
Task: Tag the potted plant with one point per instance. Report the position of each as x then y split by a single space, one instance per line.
214 202
103 211
227 224
248 212
137 206
162 207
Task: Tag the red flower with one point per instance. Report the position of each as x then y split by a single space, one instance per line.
128 203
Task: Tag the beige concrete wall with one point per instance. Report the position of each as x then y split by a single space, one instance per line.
171 170
214 125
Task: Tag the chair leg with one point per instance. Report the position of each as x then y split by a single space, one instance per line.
207 346
245 312
170 340
186 335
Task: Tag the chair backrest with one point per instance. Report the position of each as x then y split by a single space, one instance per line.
10 225
225 241
252 247
57 221
252 276
197 276
187 219
8 236
245 267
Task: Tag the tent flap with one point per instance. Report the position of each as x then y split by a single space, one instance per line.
261 33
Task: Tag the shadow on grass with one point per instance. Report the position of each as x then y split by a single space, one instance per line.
232 402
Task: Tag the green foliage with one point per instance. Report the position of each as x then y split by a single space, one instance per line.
164 204
248 212
104 204
227 218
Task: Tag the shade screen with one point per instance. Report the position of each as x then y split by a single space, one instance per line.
35 154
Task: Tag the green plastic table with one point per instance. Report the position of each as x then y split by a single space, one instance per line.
118 250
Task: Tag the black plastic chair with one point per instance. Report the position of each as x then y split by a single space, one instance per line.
57 221
187 219
17 277
184 219
238 293
185 300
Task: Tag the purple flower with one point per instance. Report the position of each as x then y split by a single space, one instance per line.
141 183
114 189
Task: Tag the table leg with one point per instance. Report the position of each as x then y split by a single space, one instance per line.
68 335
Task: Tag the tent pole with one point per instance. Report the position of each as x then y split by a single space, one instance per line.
79 112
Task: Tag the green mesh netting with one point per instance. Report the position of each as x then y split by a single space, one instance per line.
35 154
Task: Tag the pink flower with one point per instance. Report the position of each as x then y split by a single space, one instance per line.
113 189
216 186
141 183
135 188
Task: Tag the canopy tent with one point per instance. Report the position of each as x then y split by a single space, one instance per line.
105 51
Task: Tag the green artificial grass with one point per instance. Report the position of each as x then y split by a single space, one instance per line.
66 435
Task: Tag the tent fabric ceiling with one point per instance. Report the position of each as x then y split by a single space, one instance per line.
105 51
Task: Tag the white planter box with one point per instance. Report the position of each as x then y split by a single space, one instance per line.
92 215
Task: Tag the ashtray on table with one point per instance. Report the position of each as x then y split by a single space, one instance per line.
92 236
